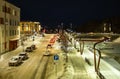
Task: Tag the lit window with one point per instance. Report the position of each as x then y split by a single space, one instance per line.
13 12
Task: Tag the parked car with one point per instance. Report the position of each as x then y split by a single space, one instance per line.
28 49
15 61
49 46
47 53
23 55
33 47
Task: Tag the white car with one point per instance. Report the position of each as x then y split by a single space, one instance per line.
15 61
47 53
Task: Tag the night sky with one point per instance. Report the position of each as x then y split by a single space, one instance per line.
77 12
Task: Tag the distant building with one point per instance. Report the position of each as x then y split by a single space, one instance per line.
9 26
29 27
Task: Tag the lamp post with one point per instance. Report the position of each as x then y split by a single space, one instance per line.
81 47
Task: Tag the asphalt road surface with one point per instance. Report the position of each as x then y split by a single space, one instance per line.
32 68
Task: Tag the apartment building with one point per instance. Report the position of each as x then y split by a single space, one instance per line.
29 27
9 26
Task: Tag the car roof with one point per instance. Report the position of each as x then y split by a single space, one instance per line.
22 52
28 47
15 57
33 45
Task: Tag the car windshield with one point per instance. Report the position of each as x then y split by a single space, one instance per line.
49 44
21 54
14 59
28 47
33 45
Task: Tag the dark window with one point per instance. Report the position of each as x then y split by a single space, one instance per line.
10 33
3 8
6 9
10 22
9 10
1 21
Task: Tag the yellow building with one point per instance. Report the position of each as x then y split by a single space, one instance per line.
29 27
9 26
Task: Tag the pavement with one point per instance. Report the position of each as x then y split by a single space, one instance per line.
109 68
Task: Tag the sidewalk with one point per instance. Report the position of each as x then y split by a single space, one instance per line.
109 68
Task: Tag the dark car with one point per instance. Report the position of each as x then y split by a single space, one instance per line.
33 47
29 49
23 55
49 46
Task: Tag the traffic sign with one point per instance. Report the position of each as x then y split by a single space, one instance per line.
56 57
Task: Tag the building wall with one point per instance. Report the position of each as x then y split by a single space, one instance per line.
9 25
28 28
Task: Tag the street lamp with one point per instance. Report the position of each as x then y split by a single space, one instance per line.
81 47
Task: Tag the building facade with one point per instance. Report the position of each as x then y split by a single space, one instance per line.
9 26
29 27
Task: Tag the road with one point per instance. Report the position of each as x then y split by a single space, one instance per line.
32 68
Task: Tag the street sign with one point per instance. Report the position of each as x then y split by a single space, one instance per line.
56 57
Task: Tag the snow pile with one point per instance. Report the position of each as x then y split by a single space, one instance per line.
68 72
117 40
